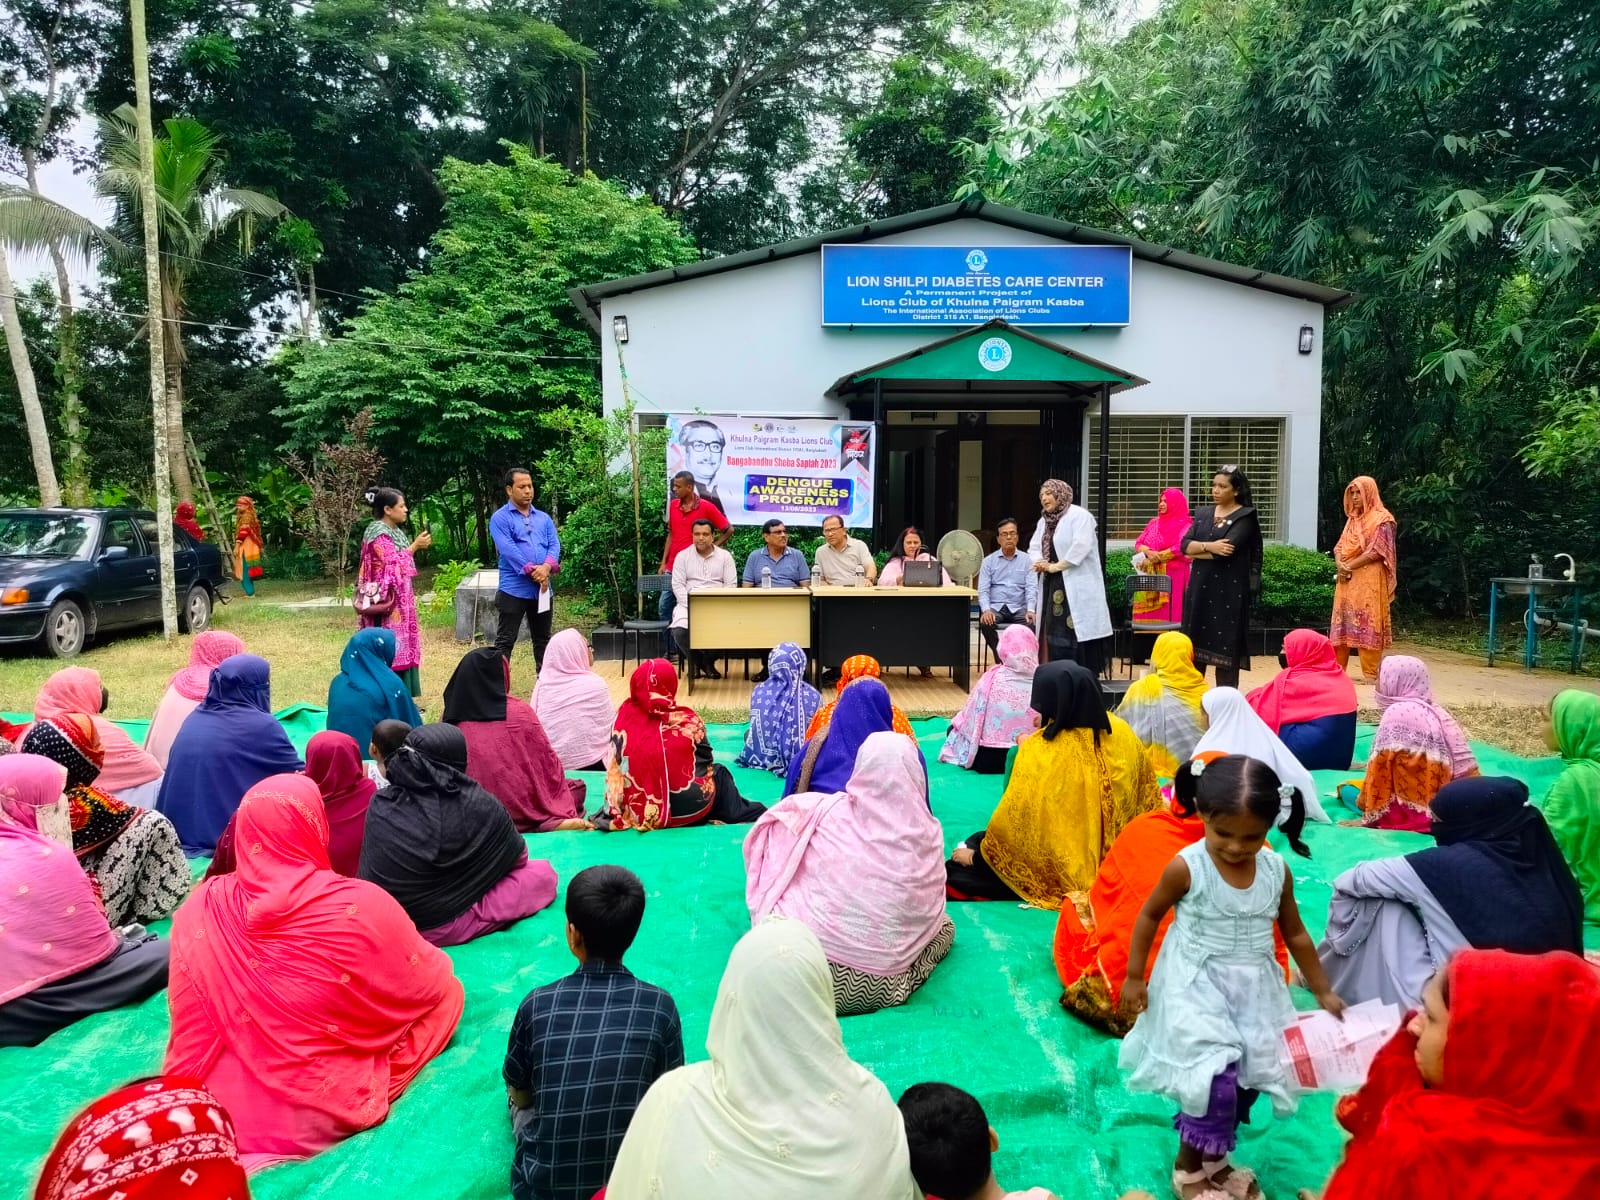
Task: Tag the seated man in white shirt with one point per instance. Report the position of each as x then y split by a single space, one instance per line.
841 556
703 565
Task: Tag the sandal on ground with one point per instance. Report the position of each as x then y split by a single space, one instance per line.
1184 1179
1241 1181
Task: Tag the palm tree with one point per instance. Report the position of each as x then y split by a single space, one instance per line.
194 210
30 221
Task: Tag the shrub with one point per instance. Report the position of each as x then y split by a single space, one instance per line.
446 579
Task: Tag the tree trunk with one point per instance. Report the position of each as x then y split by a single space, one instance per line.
32 413
75 470
154 308
172 336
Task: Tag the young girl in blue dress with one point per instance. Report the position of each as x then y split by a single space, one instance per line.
1217 1004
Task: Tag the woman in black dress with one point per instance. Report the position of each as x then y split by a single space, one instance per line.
1224 545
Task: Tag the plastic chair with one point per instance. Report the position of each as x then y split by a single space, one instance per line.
645 585
1132 630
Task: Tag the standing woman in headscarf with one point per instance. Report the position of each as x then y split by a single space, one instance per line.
573 703
248 547
1074 619
1364 588
1224 547
388 565
827 760
132 853
1572 805
1163 708
186 689
1495 881
439 843
507 750
780 1109
127 772
1488 1092
366 690
226 746
62 961
997 713
1418 749
857 666
306 1001
1310 704
660 771
1161 548
1075 783
781 707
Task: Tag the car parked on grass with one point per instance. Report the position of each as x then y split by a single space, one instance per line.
67 574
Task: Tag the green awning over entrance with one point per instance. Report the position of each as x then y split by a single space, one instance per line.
995 352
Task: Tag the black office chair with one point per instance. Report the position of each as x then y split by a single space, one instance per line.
639 628
1133 633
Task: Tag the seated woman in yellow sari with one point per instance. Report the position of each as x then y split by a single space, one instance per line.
1074 785
1163 708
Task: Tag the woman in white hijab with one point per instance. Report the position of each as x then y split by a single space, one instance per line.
780 1110
1233 727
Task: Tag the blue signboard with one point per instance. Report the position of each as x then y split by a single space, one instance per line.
878 284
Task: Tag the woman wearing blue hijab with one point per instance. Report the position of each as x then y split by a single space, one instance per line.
829 758
780 710
366 690
223 749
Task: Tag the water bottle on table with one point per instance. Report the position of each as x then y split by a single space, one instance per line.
766 577
816 577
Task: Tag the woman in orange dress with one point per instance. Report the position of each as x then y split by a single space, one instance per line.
1365 556
857 666
248 547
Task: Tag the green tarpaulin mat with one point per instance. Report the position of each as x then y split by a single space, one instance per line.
987 1021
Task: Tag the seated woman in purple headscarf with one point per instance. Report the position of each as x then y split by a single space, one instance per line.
781 707
829 758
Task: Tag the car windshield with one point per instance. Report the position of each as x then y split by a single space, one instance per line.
42 535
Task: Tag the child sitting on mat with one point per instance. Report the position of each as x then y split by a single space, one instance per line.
585 1049
387 738
951 1142
1216 1007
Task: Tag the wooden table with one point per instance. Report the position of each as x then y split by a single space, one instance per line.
898 626
748 619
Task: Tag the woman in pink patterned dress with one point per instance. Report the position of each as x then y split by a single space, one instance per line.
387 567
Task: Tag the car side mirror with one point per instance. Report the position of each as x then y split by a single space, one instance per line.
111 552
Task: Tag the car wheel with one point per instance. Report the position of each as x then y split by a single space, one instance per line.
196 614
65 629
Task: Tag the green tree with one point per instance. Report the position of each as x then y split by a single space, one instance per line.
463 361
195 209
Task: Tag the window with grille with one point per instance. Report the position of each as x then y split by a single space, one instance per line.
1148 455
1256 445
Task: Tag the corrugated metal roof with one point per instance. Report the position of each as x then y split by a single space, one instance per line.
588 297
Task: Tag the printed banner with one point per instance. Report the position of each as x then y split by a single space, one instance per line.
879 283
757 468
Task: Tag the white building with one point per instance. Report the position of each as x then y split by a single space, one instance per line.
1214 364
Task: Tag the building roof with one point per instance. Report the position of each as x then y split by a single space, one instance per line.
1027 357
589 296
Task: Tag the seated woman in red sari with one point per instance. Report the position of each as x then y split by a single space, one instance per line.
1096 927
507 750
660 771
304 1000
1310 704
1476 1098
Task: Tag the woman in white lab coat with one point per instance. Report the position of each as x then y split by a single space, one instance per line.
1074 619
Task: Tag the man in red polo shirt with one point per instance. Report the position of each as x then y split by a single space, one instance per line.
683 510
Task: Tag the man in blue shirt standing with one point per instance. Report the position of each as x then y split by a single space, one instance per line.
530 553
1007 586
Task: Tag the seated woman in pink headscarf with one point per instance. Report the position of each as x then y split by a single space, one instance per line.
61 959
864 870
507 750
573 703
304 1000
186 689
1310 704
128 773
1417 749
997 713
